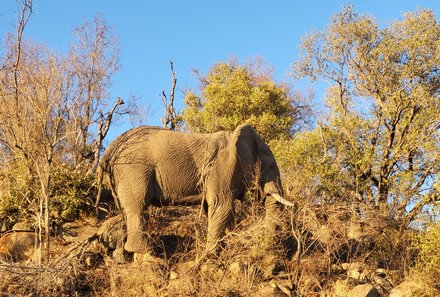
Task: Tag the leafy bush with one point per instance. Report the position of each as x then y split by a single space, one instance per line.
71 193
17 192
427 266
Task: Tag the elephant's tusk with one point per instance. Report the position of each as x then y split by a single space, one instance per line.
282 200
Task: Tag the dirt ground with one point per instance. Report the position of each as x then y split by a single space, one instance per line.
87 259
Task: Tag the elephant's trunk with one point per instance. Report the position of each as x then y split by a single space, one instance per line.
273 191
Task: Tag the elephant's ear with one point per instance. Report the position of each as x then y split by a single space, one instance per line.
245 139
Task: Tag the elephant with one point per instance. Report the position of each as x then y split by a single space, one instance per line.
156 166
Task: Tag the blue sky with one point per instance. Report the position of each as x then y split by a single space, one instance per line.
193 34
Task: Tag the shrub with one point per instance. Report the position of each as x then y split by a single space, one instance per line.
427 266
17 193
71 192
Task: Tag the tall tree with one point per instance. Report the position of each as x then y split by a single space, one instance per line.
232 94
383 126
92 60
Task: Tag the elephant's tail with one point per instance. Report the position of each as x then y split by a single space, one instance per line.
104 168
100 176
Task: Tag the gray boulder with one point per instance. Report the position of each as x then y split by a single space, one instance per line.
366 290
406 289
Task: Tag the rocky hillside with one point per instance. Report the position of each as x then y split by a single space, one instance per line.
317 253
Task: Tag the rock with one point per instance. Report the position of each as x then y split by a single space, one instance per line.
113 233
345 266
366 290
22 226
340 289
271 290
383 285
381 272
17 246
357 274
406 289
336 268
173 275
120 256
147 259
355 271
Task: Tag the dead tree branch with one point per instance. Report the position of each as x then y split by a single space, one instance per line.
170 116
26 11
103 127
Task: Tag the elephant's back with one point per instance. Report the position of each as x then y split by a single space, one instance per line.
152 138
129 139
160 148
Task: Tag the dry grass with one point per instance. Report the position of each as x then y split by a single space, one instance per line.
307 257
67 278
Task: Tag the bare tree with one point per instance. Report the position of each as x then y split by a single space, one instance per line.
34 122
94 58
103 127
51 110
170 116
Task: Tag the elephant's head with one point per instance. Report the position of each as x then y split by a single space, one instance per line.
257 160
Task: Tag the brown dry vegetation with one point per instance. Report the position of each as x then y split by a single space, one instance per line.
317 251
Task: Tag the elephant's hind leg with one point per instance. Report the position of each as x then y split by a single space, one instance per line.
133 190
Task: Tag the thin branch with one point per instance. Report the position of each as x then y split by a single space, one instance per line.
417 209
25 15
165 109
169 111
103 128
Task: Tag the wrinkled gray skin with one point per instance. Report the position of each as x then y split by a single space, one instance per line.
154 166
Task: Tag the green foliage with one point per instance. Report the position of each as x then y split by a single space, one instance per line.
381 137
427 267
233 94
71 192
17 191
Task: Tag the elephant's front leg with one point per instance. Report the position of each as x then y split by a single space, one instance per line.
220 215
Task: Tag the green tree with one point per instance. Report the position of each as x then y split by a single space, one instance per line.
233 94
382 132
